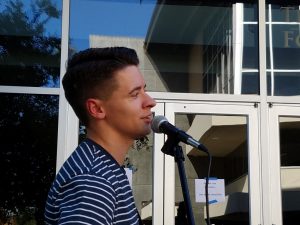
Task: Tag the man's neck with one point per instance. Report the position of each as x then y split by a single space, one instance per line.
114 145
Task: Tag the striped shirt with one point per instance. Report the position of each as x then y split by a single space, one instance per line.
91 188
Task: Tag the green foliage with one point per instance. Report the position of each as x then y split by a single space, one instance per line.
28 123
28 132
28 56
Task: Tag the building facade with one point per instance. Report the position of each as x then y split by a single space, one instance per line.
226 72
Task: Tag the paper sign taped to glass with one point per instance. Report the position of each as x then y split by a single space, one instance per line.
216 190
129 175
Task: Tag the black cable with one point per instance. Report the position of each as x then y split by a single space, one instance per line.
206 188
204 149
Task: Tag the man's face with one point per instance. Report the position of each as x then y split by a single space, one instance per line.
128 110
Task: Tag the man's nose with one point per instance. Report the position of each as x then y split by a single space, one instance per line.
150 102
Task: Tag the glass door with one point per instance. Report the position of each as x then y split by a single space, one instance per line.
285 167
230 132
144 168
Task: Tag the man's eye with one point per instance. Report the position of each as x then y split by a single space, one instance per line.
135 94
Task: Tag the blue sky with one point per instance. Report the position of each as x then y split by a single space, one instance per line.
111 18
103 17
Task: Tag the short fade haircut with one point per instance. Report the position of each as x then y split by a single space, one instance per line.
90 74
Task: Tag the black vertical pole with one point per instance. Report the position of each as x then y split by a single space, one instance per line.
172 148
179 158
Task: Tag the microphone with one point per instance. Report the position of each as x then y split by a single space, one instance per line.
160 124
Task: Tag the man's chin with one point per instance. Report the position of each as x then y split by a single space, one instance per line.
142 135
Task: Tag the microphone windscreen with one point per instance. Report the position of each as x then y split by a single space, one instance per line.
156 122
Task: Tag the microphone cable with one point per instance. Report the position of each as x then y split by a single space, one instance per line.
204 149
206 188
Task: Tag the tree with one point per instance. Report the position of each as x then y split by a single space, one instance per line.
28 123
28 132
27 56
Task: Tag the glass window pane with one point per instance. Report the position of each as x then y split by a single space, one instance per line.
289 141
269 78
250 83
290 168
139 162
283 47
30 37
183 46
286 46
28 133
286 83
250 13
250 51
283 83
286 11
225 136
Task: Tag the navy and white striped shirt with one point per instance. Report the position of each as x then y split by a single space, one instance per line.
91 188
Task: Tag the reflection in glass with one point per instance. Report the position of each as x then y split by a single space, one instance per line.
30 36
287 11
286 83
290 168
250 50
183 46
139 163
250 13
283 48
286 46
28 133
250 83
226 139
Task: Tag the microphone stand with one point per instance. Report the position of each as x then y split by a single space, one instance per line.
172 148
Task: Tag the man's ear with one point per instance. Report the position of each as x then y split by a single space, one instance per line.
95 108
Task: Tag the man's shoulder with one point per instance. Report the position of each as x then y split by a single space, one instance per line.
78 173
90 162
88 159
81 161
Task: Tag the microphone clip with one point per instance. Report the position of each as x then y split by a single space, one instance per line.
171 148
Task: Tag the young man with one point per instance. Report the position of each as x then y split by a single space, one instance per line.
107 92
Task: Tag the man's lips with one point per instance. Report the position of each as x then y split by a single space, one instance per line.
147 118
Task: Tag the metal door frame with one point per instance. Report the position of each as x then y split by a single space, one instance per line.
158 175
275 112
254 161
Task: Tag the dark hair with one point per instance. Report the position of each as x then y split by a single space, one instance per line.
90 74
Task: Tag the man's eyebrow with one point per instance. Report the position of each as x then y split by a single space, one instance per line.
137 89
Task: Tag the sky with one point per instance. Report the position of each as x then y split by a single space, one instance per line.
111 18
129 18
